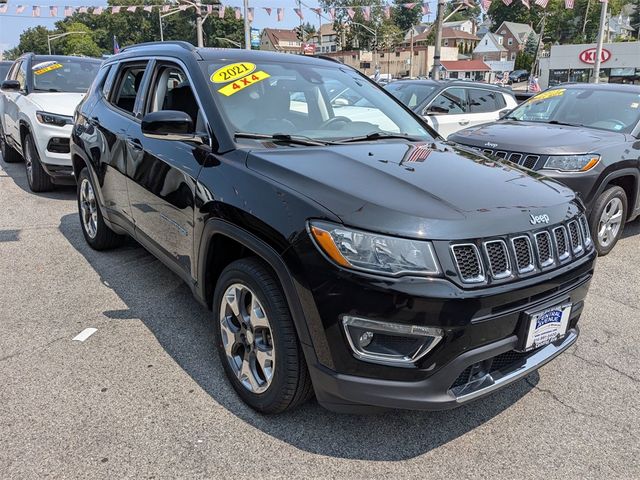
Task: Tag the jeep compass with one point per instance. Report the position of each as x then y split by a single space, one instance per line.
362 259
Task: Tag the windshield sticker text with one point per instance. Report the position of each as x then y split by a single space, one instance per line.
242 83
45 67
232 72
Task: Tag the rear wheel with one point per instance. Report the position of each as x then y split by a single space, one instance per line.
96 232
608 219
9 154
39 180
256 339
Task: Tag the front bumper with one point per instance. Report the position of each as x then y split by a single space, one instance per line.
53 148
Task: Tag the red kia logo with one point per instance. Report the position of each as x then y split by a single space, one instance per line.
589 55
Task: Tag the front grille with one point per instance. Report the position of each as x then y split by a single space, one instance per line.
521 254
468 262
524 159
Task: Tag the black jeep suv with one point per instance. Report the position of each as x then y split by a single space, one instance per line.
354 255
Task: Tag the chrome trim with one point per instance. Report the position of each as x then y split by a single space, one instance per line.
584 228
507 272
496 380
566 253
535 157
487 151
501 154
398 329
577 250
531 265
551 260
514 154
479 278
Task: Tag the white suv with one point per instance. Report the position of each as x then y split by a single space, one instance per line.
37 102
452 105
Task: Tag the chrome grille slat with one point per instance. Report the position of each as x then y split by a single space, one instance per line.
468 262
584 227
501 154
544 249
524 253
498 256
562 243
575 237
530 161
515 157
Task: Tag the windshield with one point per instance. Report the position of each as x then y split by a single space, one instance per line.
64 74
411 94
616 111
317 102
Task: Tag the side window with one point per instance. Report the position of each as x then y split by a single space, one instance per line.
298 102
452 101
13 71
127 87
21 75
483 101
172 91
500 102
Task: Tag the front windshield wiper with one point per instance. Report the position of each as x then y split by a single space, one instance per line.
379 136
556 122
52 90
284 137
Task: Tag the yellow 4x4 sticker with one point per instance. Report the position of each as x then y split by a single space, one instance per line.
244 82
231 72
558 92
46 67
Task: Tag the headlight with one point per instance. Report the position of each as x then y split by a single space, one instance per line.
572 163
54 119
375 253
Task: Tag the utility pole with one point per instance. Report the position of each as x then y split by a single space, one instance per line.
199 35
603 21
586 19
160 21
247 25
435 72
535 71
411 55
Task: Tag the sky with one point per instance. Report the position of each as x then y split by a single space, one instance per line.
11 25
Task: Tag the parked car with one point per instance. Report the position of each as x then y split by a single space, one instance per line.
518 76
376 268
452 105
584 135
4 69
37 103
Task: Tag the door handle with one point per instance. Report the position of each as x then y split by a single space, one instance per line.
134 143
463 122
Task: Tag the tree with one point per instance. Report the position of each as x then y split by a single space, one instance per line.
405 18
469 13
523 61
80 44
635 16
531 46
356 37
31 40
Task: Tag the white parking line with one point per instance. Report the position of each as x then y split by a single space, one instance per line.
86 333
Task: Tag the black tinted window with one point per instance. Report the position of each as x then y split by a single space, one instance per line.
483 101
171 90
128 85
452 101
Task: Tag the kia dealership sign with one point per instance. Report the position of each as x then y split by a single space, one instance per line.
589 56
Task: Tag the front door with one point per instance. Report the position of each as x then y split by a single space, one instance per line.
448 112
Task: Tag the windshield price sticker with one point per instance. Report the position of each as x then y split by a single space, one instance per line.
242 83
45 67
549 94
232 72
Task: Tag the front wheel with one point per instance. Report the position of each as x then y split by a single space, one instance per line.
608 219
96 232
256 339
39 180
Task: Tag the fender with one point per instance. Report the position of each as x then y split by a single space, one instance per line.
634 208
268 254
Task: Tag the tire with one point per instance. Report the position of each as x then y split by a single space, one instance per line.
97 234
38 179
280 380
608 218
9 154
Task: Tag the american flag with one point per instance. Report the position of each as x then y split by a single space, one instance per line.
221 11
486 4
299 13
366 13
568 4
534 86
53 11
507 2
542 3
526 4
417 153
280 13
116 45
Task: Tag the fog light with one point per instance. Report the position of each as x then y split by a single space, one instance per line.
389 343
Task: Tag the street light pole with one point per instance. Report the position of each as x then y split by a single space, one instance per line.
199 34
60 35
603 21
232 42
247 25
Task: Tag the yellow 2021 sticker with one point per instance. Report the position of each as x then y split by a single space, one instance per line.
558 92
46 67
242 83
232 72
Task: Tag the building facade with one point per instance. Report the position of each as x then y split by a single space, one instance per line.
515 36
280 40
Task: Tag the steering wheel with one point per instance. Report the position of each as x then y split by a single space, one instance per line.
333 120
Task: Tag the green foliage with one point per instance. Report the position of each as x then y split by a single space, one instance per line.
405 18
532 44
523 61
78 44
356 37
31 40
470 13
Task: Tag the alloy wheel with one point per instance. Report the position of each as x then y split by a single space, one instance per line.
28 161
247 338
610 222
88 208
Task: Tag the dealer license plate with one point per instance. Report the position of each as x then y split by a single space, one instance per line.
547 326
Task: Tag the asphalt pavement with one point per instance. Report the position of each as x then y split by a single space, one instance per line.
145 395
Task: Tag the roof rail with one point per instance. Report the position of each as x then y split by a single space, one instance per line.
177 43
331 59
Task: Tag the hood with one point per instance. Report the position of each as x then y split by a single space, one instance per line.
57 102
417 190
538 138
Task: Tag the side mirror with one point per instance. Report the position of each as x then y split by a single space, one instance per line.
503 113
10 85
169 125
435 110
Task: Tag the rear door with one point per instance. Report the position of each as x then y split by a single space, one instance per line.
10 111
448 112
112 118
484 105
163 173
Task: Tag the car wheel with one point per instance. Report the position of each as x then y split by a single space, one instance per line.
97 234
9 154
39 180
608 219
256 339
